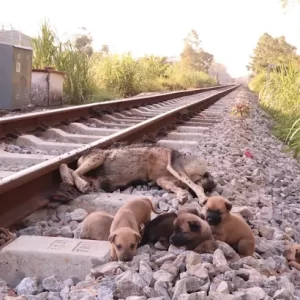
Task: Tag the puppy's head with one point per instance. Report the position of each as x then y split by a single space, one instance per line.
187 227
191 209
125 241
217 209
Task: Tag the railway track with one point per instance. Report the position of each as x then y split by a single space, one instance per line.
34 145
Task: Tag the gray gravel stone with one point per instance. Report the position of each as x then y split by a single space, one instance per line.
28 286
78 214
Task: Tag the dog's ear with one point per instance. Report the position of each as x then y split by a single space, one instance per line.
297 254
195 226
112 237
138 237
228 205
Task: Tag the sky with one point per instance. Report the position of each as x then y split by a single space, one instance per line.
229 29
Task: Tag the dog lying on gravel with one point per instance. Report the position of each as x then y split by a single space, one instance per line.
120 167
191 231
125 233
292 255
228 227
96 226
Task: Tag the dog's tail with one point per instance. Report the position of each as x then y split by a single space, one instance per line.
154 209
208 182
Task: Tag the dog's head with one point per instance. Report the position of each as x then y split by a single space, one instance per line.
217 209
187 228
125 241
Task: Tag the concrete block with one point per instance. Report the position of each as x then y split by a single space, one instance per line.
83 129
33 141
46 256
178 145
185 136
106 124
109 202
20 158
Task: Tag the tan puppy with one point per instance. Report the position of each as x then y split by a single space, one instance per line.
192 209
293 256
125 228
96 226
228 227
193 233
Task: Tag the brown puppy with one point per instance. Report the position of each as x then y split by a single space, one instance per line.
159 229
192 209
293 256
96 226
228 227
193 233
125 228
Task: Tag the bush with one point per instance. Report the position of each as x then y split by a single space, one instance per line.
280 96
101 76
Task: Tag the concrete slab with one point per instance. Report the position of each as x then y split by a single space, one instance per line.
19 158
39 256
83 129
106 124
33 141
178 145
186 136
110 118
65 137
109 202
191 129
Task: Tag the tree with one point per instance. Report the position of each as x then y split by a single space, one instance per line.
83 42
219 70
272 52
105 50
284 3
193 56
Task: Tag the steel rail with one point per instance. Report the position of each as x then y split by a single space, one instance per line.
28 190
29 122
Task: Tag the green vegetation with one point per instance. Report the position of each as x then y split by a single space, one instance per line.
98 76
276 79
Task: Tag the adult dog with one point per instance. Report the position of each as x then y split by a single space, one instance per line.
120 167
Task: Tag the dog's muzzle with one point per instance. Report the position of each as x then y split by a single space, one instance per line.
179 239
213 217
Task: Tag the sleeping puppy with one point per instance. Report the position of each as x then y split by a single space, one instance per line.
193 233
292 255
96 226
228 227
159 229
125 228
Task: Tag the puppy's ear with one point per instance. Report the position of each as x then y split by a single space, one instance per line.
297 254
228 205
112 237
138 237
194 226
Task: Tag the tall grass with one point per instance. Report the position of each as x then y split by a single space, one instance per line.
100 76
280 95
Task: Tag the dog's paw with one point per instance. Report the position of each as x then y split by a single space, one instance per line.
183 196
83 186
66 175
